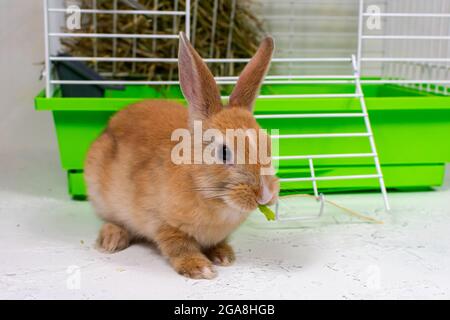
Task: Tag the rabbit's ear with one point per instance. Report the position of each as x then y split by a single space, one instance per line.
197 82
249 82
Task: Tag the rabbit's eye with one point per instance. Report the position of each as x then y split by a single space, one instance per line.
224 154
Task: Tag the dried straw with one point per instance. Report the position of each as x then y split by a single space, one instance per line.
235 34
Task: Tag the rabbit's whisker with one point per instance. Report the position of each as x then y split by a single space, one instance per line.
212 189
216 196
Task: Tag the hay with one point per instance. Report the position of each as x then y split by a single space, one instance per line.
236 37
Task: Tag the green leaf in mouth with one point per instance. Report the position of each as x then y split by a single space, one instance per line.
270 215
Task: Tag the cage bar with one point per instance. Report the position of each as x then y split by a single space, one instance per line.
134 12
329 178
320 135
313 175
326 156
112 35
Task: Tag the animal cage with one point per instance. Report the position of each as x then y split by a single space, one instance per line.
358 89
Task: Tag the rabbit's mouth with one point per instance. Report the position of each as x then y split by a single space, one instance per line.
243 196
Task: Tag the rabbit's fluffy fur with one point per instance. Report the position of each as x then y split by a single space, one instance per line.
188 210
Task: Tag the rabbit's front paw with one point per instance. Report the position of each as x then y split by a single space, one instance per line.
221 254
194 266
113 238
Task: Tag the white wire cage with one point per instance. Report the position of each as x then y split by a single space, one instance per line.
402 42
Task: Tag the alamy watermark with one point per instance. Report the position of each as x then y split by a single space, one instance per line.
73 281
73 19
374 17
235 146
373 277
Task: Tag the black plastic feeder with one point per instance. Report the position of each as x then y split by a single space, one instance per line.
76 70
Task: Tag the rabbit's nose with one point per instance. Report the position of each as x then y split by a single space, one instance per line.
265 195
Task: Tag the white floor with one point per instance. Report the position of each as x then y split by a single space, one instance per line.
47 248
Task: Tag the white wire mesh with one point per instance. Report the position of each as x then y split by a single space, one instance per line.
414 38
410 42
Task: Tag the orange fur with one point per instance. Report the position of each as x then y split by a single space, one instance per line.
188 210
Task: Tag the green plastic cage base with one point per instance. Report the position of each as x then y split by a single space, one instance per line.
411 130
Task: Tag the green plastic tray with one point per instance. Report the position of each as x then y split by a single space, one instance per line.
411 130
